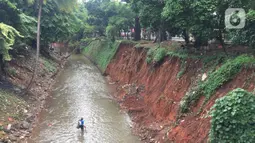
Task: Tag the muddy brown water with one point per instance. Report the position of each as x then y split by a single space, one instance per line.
81 91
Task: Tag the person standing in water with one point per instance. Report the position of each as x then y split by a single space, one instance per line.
81 124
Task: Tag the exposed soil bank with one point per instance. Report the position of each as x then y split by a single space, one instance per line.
152 94
19 73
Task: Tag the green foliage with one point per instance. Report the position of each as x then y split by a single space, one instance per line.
109 17
155 55
12 71
60 26
160 54
246 35
150 13
9 13
28 26
7 39
179 54
183 69
111 32
233 118
49 66
215 80
11 105
150 55
101 52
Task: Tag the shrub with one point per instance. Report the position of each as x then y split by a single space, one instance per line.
159 55
155 54
150 55
233 118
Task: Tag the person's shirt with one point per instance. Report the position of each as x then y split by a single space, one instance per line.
81 122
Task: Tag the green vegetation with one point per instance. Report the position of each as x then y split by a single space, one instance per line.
101 51
11 105
233 118
159 55
183 69
215 80
7 39
49 65
155 55
109 18
12 71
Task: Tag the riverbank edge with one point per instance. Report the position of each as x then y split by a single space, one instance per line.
21 130
151 93
136 129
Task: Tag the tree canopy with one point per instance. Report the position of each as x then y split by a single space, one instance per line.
65 20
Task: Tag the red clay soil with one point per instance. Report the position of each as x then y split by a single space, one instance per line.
154 103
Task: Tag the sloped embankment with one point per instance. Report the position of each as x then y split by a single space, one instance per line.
153 93
19 111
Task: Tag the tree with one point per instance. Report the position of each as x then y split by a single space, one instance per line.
135 5
122 21
68 4
180 13
150 16
99 13
109 17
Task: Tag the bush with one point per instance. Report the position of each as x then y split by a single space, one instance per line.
150 55
159 55
156 55
233 118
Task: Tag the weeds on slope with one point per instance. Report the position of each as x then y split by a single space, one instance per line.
156 55
215 80
233 118
101 51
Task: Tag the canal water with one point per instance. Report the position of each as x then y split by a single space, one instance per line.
81 91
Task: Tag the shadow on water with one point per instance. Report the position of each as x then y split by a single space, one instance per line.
81 91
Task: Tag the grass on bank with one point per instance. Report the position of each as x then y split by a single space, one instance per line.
11 106
215 80
101 51
49 65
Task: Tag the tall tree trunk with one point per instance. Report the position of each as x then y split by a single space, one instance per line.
157 37
163 35
160 35
186 36
221 31
137 29
222 42
198 42
149 35
38 45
